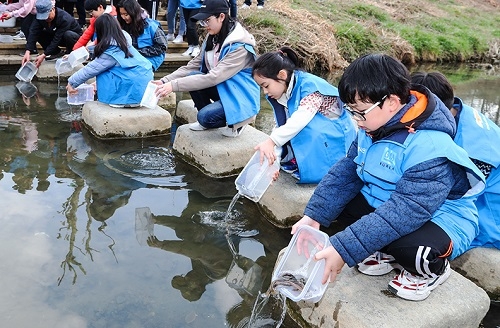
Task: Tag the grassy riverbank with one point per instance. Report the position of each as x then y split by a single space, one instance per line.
330 33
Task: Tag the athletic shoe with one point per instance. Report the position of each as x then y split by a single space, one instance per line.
416 288
232 133
170 37
378 264
260 7
245 6
295 174
196 126
55 56
188 51
289 166
19 36
178 39
196 51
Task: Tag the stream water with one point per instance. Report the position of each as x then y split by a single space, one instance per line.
124 234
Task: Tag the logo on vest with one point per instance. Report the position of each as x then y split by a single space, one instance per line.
388 159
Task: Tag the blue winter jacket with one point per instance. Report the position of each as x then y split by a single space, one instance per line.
416 193
480 137
323 141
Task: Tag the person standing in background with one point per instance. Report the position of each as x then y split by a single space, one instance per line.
191 8
172 8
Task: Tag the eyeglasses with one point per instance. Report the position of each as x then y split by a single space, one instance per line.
361 116
204 22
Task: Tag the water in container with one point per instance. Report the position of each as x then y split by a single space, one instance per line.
297 275
85 93
26 72
254 180
63 66
78 56
149 98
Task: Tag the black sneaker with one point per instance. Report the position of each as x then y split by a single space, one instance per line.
54 57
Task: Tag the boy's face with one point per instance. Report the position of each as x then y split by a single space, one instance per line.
98 12
371 116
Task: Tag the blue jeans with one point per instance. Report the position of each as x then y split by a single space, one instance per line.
173 5
233 6
212 116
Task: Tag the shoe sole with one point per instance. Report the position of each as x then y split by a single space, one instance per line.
415 295
382 270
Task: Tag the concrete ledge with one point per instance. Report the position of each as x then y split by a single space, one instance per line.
482 266
106 122
357 300
186 111
214 154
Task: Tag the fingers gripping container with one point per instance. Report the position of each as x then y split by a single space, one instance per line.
254 180
149 98
78 56
298 260
26 72
85 93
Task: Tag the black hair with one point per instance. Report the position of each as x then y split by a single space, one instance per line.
373 76
271 63
438 84
94 4
136 26
109 33
226 28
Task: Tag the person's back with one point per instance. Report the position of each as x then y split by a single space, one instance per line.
480 137
122 74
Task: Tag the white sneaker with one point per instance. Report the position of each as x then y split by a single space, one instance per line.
416 288
378 264
260 7
178 39
170 37
196 51
19 36
196 126
245 6
188 51
231 133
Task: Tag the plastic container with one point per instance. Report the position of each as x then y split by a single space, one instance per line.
63 66
26 72
85 93
254 180
149 98
298 260
11 22
27 89
78 56
6 39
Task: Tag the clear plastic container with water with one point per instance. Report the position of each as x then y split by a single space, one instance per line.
6 39
63 66
149 99
26 72
78 56
85 93
254 180
298 264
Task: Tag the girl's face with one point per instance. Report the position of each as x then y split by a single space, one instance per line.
272 88
213 24
125 16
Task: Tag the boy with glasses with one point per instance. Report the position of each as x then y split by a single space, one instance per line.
94 8
405 190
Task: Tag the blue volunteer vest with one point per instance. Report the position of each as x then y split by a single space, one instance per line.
382 164
240 94
479 136
126 82
146 39
323 141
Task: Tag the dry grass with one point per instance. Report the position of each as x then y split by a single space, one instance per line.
310 36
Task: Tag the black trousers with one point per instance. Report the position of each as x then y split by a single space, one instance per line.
422 252
68 40
26 23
